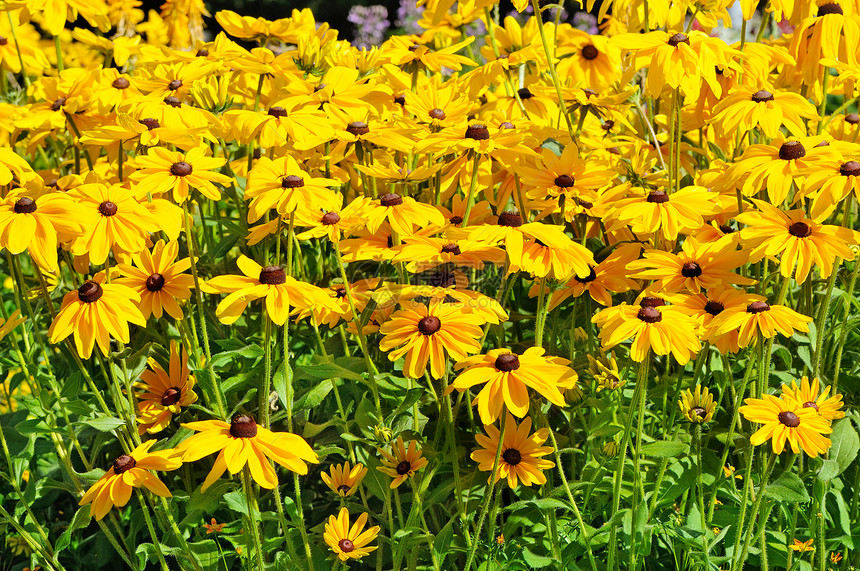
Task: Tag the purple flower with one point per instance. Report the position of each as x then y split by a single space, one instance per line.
371 23
408 15
585 22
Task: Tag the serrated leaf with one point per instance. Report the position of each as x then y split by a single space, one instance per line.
665 449
237 502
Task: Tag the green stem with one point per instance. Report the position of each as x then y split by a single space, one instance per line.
251 497
757 510
488 493
152 532
470 200
550 58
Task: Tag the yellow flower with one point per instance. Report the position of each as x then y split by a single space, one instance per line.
807 395
506 377
349 542
660 330
403 462
39 224
162 171
786 420
164 394
242 443
130 471
344 481
214 527
95 312
697 406
802 546
159 280
8 325
521 455
759 317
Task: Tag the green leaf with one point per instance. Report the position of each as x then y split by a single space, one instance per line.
327 368
72 385
829 470
536 561
553 146
104 423
313 397
80 519
237 502
442 543
209 500
665 449
787 488
846 444
206 553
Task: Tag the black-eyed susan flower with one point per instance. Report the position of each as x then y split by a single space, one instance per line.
605 373
659 329
425 253
349 542
521 455
164 392
403 213
39 224
506 377
807 395
829 182
604 279
705 307
94 313
786 420
116 219
159 280
648 212
343 480
801 242
759 317
130 471
282 293
283 185
746 108
165 171
697 406
402 462
8 325
696 267
428 334
242 443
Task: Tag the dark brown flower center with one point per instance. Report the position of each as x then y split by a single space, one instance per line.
404 467
121 83
511 219
512 456
123 464
330 218
726 229
391 199
608 125
429 325
340 292
171 396
155 282
800 230
507 362
292 181
3 41
173 101
273 275
507 125
657 197
762 96
202 52
589 278
358 128
678 39
90 291
343 488
346 545
791 150
243 426
437 113
456 220
277 112
25 205
451 249
852 118
564 181
699 411
477 132
107 208
758 307
650 315
400 100
55 106
652 302
851 168
174 85
714 307
181 169
789 419
691 270
832 8
150 123
524 93
810 404
589 93
590 52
